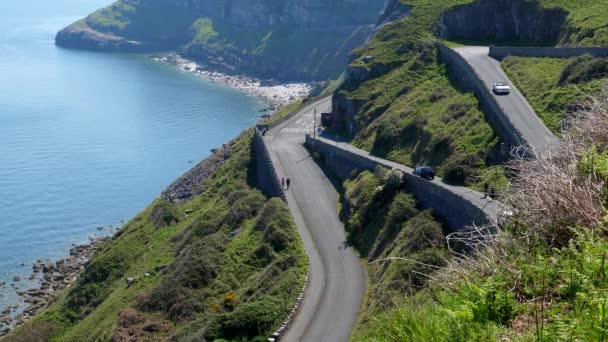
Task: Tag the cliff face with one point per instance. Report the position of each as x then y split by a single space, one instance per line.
499 22
283 39
266 13
505 21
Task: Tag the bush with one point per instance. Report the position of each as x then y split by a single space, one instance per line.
461 170
32 331
494 306
387 134
229 300
274 221
244 208
197 265
164 214
457 110
584 69
422 232
262 256
248 320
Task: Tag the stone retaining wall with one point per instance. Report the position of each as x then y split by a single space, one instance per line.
501 52
269 183
268 179
457 211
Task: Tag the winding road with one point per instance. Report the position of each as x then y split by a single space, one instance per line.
338 281
514 106
337 277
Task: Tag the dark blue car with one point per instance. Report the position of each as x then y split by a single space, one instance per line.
425 172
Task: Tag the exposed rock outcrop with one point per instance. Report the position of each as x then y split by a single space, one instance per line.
192 183
505 21
55 277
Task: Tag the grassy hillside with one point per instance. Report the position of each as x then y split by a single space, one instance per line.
587 21
225 264
555 86
541 278
385 224
406 107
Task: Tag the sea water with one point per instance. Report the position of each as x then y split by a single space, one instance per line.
90 139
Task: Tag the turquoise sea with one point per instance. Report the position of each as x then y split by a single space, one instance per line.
89 139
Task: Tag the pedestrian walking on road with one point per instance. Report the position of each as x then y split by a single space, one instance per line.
486 186
282 182
288 182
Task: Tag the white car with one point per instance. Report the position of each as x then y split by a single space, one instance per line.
501 88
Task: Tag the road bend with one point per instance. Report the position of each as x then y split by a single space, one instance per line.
514 106
337 277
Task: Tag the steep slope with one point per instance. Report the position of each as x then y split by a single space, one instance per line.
402 102
555 87
214 258
400 242
295 39
543 277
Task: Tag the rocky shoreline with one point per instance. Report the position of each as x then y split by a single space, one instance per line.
273 93
53 277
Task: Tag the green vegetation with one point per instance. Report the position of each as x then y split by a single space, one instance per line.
230 269
540 293
283 112
409 109
400 242
587 21
128 20
406 107
315 53
332 85
556 86
543 276
272 41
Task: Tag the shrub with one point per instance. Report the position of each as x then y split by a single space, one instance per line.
262 255
32 331
584 69
461 170
197 265
164 214
133 325
387 134
457 110
244 208
249 320
274 221
494 306
130 317
229 300
422 232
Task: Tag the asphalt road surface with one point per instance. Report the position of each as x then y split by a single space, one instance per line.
514 105
337 277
